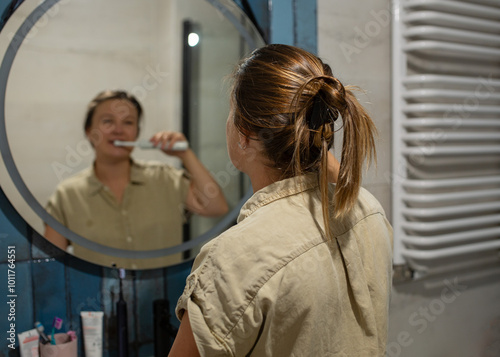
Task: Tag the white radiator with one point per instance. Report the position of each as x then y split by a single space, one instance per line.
446 134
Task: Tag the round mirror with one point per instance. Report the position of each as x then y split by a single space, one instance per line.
171 55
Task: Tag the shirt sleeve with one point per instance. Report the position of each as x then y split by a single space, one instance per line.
208 341
180 180
225 315
54 207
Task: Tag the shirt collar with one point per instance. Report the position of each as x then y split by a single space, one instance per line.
278 190
137 177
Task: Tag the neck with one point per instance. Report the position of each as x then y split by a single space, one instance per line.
112 171
262 176
257 167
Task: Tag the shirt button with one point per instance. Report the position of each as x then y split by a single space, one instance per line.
129 239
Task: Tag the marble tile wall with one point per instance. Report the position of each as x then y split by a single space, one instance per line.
354 38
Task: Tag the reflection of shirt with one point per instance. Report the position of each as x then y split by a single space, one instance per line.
150 215
273 285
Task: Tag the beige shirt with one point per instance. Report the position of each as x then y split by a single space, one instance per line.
273 285
150 216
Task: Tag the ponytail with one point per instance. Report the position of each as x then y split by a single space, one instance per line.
330 100
358 145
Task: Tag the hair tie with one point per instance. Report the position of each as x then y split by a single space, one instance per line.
321 113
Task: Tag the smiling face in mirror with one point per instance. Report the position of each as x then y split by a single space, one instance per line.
108 121
77 58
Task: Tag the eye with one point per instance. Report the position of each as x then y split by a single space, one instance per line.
106 122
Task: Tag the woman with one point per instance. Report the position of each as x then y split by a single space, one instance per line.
127 204
307 269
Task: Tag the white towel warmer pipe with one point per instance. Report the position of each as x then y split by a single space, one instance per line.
446 134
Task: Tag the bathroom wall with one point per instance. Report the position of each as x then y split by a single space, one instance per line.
453 315
360 55
449 315
51 283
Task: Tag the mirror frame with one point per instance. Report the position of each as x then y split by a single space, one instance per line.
231 12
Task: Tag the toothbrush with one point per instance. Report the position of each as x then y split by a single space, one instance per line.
121 319
56 325
40 329
72 335
143 144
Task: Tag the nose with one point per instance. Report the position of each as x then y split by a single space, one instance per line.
118 127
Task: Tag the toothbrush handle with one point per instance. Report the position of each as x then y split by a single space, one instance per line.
53 337
178 146
121 311
44 337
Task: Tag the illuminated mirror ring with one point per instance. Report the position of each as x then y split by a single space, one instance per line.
26 194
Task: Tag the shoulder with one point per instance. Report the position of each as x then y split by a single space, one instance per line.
366 229
366 208
278 232
367 205
78 181
249 254
240 263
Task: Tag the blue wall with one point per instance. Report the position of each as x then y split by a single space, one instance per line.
51 283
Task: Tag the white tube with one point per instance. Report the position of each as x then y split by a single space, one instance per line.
92 332
28 343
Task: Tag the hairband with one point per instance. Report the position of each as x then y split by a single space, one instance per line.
321 113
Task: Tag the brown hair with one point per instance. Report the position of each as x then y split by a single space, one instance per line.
109 95
290 99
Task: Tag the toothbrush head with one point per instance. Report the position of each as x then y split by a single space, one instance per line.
57 323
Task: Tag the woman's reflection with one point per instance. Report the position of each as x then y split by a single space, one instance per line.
128 204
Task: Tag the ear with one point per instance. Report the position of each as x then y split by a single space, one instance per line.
89 137
243 140
138 129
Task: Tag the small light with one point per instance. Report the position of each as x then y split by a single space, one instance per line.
193 39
